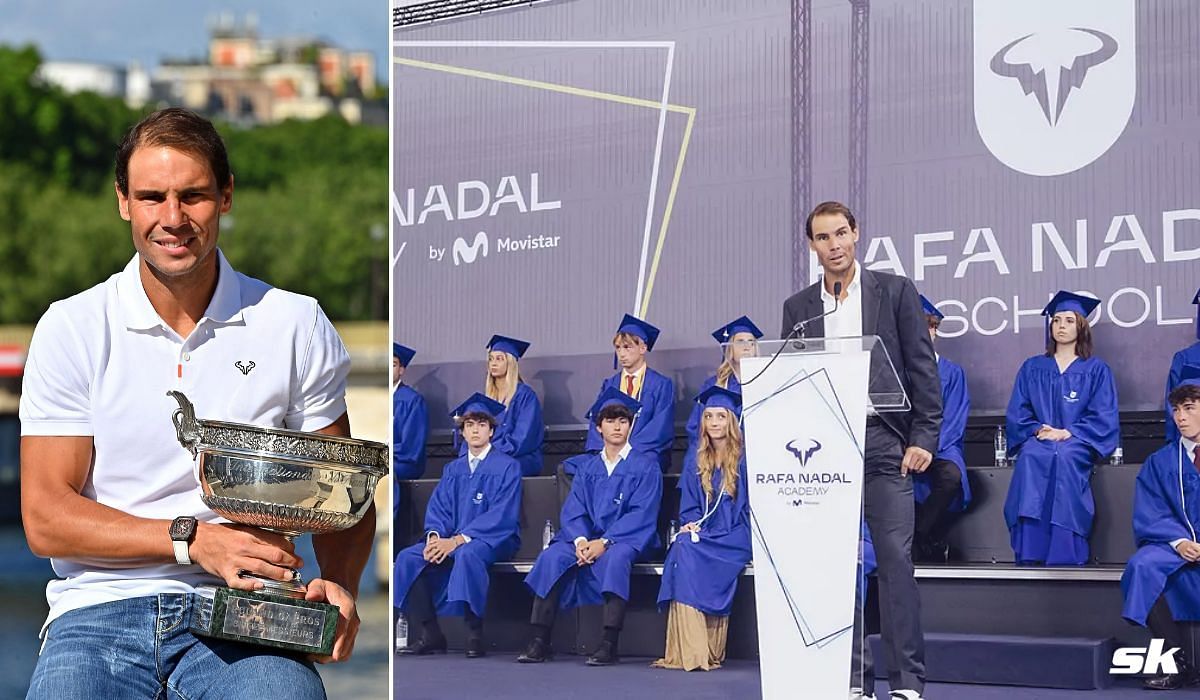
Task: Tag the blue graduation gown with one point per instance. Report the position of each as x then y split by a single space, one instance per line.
704 574
622 508
1187 356
956 404
484 506
1051 495
693 424
410 425
521 431
654 427
1159 518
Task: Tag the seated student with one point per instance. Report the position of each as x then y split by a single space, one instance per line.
655 426
471 522
608 522
942 488
713 547
521 430
1062 417
1161 583
410 421
1185 357
739 339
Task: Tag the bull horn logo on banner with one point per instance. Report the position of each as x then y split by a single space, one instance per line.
1055 83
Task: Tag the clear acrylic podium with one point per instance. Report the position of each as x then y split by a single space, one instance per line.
804 411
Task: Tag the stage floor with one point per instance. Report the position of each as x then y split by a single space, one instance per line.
498 677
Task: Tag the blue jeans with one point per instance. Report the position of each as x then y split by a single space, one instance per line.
142 648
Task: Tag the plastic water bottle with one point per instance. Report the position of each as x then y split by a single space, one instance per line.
547 535
401 632
1000 443
672 532
1118 457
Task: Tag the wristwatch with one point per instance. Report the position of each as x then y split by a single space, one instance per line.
183 529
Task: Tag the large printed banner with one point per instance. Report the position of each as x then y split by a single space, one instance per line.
558 165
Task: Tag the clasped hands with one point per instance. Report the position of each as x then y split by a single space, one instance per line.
1052 434
1189 550
437 548
588 551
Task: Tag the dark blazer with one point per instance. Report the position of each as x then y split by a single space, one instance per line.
891 309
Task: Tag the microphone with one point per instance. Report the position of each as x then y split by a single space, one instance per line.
803 325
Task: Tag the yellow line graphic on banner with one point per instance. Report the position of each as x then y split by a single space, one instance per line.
690 112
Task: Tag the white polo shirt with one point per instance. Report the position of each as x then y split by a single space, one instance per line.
100 364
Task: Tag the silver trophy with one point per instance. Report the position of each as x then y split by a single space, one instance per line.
285 481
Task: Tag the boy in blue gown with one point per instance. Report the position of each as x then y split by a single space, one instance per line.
521 432
1161 583
410 423
728 376
608 522
942 488
1059 422
1189 356
654 428
471 522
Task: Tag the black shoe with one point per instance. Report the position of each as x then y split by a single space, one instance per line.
537 652
605 655
475 648
1173 681
425 646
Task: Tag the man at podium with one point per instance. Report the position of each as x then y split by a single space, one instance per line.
850 301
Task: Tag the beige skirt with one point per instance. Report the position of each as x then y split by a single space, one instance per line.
694 640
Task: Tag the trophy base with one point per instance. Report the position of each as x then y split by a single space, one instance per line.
265 619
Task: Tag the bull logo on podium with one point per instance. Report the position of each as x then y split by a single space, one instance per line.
803 453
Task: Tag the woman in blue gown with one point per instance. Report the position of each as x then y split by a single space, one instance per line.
712 549
1062 418
521 431
738 338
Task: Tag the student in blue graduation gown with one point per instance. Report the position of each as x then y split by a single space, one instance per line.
738 339
942 489
608 522
655 425
713 546
1062 417
471 522
1185 357
410 421
521 430
1161 583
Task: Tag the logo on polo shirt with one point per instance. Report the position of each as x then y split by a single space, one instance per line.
244 367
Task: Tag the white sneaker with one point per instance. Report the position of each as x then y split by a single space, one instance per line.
905 695
857 694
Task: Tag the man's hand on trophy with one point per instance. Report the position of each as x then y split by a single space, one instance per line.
322 591
226 549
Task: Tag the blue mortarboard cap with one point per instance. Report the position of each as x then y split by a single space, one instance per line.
478 403
741 324
717 397
1190 374
930 309
611 396
512 346
403 353
637 327
1069 301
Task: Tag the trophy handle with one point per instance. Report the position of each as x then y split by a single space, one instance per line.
187 428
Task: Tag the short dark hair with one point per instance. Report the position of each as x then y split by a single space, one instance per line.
613 411
1182 394
477 416
825 208
933 321
1083 341
182 130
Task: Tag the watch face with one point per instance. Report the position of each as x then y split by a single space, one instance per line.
182 528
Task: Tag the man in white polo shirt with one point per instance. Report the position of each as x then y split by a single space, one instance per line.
107 492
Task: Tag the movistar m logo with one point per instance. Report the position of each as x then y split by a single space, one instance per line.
466 253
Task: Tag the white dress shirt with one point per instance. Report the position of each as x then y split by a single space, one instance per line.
848 321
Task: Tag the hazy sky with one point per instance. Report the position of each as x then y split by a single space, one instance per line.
119 31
